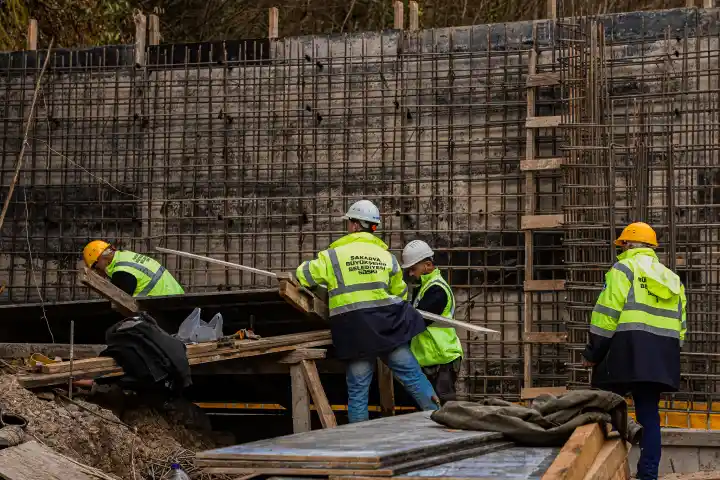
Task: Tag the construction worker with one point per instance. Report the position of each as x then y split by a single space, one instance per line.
369 315
438 349
133 273
638 326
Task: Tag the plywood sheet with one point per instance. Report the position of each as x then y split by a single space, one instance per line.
519 463
32 461
371 444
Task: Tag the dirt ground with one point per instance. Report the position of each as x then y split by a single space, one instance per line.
141 443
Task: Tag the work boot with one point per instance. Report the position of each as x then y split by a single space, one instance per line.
11 436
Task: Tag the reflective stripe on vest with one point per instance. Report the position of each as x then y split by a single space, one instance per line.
343 289
632 305
154 277
439 281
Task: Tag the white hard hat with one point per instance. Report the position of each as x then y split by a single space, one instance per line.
414 252
364 210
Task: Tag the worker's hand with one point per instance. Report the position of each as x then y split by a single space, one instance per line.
587 363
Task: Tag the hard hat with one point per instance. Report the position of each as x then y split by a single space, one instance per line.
637 232
414 252
93 250
364 210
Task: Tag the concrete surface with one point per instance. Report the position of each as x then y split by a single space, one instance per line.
686 451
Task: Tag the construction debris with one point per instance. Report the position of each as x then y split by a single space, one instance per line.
140 444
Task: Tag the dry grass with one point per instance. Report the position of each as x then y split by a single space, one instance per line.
75 23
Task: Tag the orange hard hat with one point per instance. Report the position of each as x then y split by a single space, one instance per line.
637 232
93 250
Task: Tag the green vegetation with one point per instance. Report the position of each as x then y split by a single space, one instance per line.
75 23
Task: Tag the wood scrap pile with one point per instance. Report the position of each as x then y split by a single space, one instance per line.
59 372
413 447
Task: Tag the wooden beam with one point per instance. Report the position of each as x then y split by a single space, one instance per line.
552 9
707 4
398 15
300 400
273 23
541 164
153 29
387 389
121 301
544 337
552 121
300 297
297 356
534 392
544 285
577 455
541 222
547 79
140 38
32 35
413 16
612 457
51 350
312 379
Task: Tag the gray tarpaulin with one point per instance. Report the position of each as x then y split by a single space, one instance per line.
549 421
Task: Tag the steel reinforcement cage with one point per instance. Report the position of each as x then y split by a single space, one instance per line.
250 152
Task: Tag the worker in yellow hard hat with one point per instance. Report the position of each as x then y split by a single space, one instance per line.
637 328
135 274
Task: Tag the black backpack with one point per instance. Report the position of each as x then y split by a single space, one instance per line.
150 357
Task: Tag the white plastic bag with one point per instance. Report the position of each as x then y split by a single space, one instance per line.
194 329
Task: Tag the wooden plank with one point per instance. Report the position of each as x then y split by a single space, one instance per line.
123 302
296 356
544 285
300 400
32 461
398 15
708 4
577 455
79 365
32 35
140 38
530 393
552 121
611 458
312 379
387 389
538 164
538 222
413 16
547 79
153 29
552 9
273 23
301 298
544 337
51 350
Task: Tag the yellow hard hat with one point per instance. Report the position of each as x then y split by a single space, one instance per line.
93 250
637 232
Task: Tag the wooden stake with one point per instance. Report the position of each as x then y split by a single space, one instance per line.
300 400
140 34
273 23
32 35
153 29
552 9
399 15
387 390
413 16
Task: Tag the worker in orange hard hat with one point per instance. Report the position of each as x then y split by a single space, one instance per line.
637 328
135 274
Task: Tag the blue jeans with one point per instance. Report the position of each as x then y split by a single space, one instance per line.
646 402
405 368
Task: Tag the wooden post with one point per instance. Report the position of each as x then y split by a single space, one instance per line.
32 35
273 23
140 34
689 3
387 390
413 16
312 379
300 400
552 9
153 29
399 15
707 4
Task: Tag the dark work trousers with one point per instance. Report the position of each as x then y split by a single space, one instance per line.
646 397
443 378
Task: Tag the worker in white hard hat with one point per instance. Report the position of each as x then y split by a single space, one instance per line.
438 349
369 314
